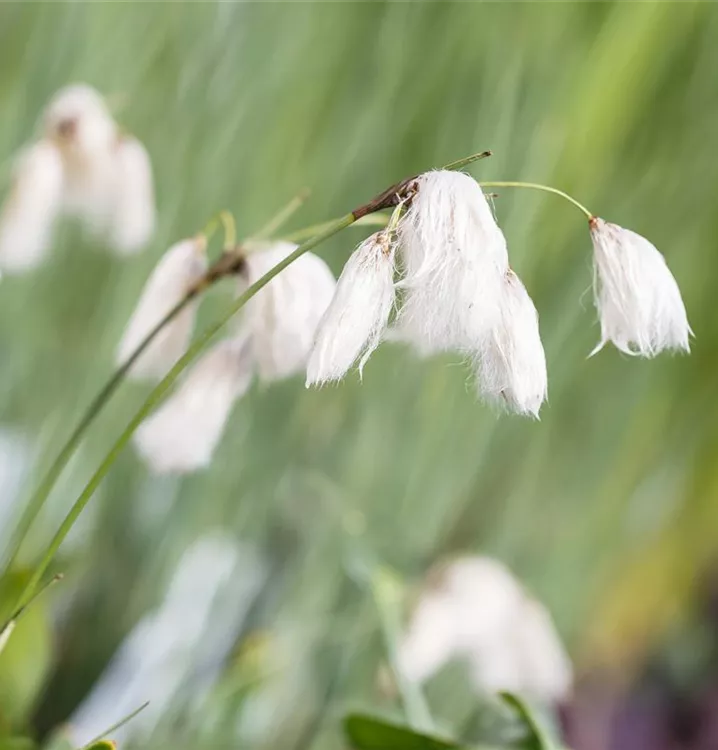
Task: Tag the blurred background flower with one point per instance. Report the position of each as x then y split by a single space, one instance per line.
605 510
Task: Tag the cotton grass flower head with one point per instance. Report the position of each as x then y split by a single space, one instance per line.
512 364
79 121
476 611
108 182
28 216
454 258
133 217
182 434
637 297
179 269
282 318
353 325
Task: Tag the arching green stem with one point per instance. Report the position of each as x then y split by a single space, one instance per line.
544 188
279 219
156 397
371 220
38 498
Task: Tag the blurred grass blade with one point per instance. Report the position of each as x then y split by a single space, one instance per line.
539 734
282 216
5 634
99 743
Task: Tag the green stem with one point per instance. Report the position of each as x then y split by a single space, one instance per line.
116 726
372 220
230 230
544 188
43 490
282 216
157 394
461 163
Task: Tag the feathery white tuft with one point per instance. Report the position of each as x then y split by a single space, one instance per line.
455 258
30 210
133 215
282 318
179 269
512 365
182 434
638 300
478 612
353 325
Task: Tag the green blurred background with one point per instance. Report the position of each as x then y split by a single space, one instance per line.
606 508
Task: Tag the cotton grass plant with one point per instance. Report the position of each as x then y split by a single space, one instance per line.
437 275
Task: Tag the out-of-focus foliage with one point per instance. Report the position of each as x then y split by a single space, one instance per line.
606 508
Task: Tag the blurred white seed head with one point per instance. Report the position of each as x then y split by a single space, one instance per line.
638 300
28 215
108 177
476 611
282 318
182 434
182 266
353 325
512 364
454 258
133 214
79 122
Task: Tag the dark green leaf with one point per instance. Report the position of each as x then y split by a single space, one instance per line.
102 745
370 733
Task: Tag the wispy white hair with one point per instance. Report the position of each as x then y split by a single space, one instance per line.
512 363
637 297
182 266
353 325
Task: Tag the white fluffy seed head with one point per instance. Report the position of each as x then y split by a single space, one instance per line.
638 300
133 213
475 610
181 436
512 363
282 318
353 325
454 258
28 215
79 122
182 266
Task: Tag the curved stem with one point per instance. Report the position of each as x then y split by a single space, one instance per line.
43 490
376 220
230 230
282 216
156 396
544 188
